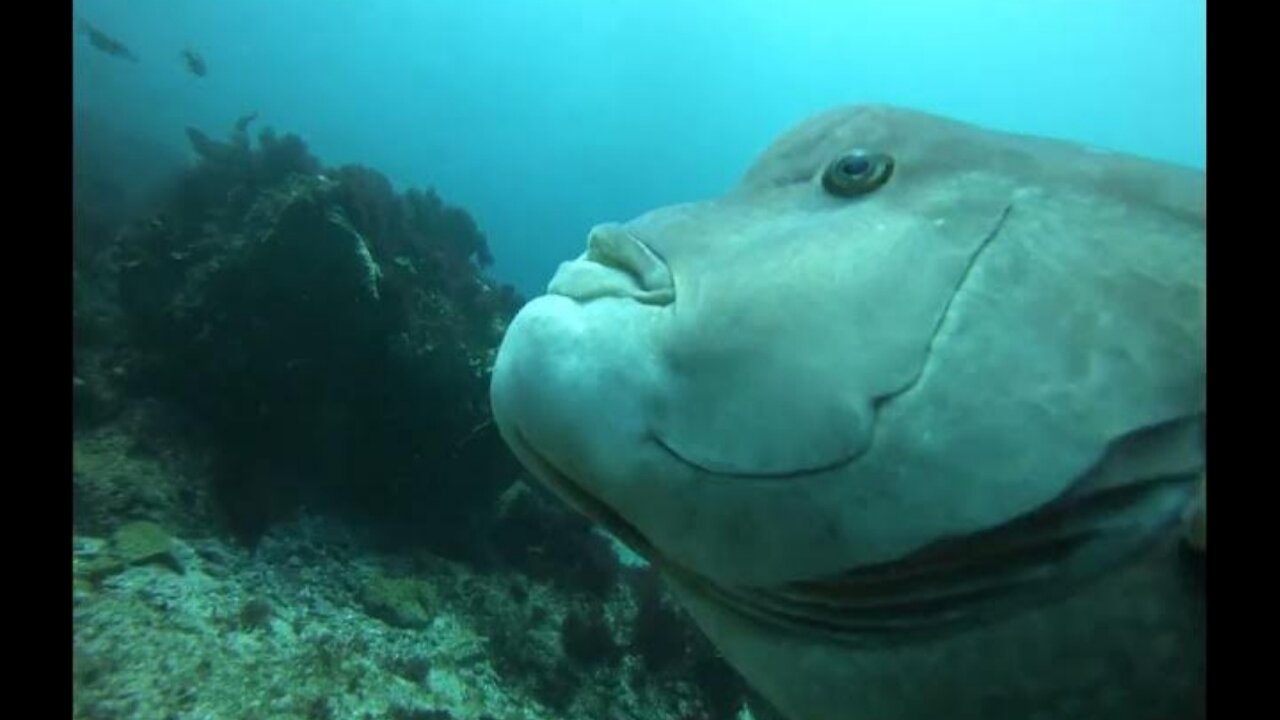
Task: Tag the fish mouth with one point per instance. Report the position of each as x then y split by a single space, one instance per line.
615 264
790 474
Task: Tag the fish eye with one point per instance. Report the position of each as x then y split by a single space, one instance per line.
857 173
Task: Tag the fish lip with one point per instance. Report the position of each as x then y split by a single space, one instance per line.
616 264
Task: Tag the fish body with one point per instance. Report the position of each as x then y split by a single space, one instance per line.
105 43
911 419
194 62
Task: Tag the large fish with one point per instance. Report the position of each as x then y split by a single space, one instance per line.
911 420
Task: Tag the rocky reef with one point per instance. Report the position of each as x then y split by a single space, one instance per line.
331 337
289 499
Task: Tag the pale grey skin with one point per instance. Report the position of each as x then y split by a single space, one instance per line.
775 391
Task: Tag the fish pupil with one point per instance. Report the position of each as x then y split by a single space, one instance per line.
855 166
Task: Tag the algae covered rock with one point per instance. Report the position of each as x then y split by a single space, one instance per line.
334 337
140 466
141 541
400 602
287 348
134 543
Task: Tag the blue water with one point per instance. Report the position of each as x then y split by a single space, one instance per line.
544 117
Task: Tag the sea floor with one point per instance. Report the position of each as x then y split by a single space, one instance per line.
311 624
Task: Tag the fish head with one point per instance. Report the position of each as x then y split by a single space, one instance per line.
703 366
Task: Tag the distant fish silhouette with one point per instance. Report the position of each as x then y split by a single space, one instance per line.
194 62
206 147
242 122
106 43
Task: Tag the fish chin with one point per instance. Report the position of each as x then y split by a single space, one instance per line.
580 499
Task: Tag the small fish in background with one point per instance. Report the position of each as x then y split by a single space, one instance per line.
240 135
107 44
194 62
242 122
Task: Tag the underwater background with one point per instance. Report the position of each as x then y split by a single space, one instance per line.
301 227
